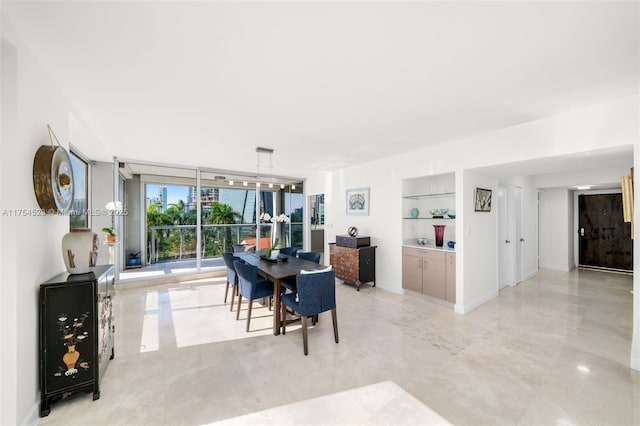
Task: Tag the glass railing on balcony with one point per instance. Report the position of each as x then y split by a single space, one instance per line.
167 243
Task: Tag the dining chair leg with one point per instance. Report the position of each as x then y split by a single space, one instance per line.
304 335
239 304
226 292
234 293
283 317
249 314
334 317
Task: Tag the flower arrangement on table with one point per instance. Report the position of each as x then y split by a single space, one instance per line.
273 251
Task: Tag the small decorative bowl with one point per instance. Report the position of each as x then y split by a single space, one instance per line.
452 215
438 212
422 241
451 244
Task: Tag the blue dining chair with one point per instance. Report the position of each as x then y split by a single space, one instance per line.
316 294
232 277
309 255
291 251
250 286
290 283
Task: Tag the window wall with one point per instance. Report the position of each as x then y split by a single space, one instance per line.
78 216
227 218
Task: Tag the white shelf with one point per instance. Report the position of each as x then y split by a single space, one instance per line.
423 196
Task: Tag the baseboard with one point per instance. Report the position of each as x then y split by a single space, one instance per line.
530 275
434 300
635 364
32 416
561 268
465 309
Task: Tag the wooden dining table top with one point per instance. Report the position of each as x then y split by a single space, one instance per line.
276 272
279 270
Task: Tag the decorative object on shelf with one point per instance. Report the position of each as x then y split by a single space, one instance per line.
352 231
422 241
358 202
110 236
438 213
80 250
452 215
439 230
415 212
451 244
353 242
483 200
53 177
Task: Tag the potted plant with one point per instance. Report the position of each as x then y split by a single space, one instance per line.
274 251
133 259
111 235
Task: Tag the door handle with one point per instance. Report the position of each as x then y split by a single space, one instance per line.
507 241
581 232
522 240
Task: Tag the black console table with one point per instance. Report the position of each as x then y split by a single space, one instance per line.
76 333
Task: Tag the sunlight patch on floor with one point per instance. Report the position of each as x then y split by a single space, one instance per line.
381 403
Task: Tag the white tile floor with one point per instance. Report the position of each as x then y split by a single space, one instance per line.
552 351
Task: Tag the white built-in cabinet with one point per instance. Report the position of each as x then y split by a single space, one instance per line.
429 270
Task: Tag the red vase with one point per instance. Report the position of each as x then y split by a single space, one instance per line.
439 234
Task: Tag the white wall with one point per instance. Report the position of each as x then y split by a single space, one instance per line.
30 249
603 176
609 125
30 245
479 245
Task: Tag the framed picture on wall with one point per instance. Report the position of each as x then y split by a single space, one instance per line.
483 200
358 202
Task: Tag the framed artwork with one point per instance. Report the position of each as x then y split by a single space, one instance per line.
483 200
358 202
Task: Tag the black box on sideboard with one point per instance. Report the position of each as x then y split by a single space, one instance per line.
353 242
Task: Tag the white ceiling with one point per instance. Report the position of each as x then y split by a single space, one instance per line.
326 84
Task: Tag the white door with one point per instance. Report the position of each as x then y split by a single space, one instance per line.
518 241
504 239
510 235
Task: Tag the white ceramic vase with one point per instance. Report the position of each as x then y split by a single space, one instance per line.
79 250
274 254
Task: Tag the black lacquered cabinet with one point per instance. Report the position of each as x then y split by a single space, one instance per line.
76 333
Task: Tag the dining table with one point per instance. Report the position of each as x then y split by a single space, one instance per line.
276 271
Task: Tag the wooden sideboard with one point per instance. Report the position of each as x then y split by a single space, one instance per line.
353 265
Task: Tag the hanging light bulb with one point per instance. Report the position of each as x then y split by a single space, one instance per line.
231 183
245 183
282 186
293 187
270 185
